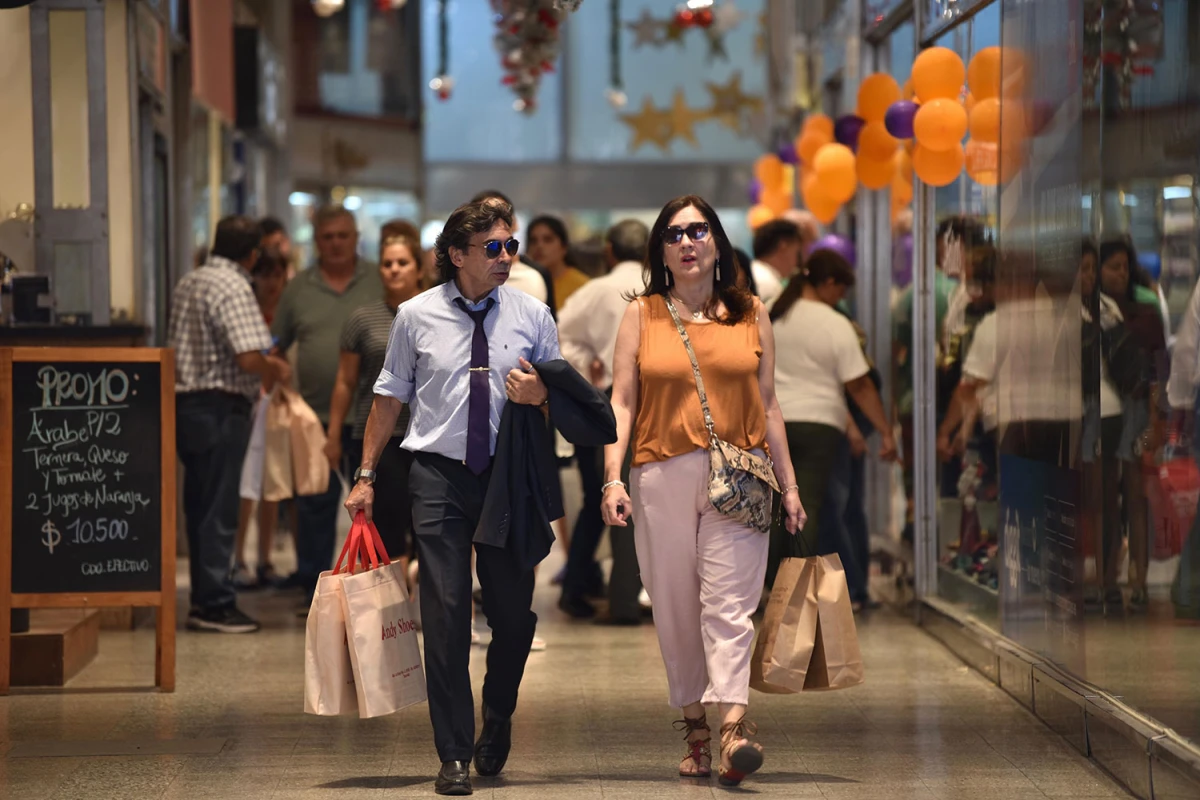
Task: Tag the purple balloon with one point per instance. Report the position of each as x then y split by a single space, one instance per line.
899 118
787 154
847 129
838 244
756 188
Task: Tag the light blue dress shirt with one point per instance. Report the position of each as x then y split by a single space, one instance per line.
429 357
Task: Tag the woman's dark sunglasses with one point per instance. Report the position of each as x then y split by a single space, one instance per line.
492 247
697 231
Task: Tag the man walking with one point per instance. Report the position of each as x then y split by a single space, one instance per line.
221 345
588 326
778 251
457 354
312 312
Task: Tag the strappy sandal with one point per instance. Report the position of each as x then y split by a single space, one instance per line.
743 759
699 750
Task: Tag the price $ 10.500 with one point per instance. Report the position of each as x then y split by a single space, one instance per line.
86 532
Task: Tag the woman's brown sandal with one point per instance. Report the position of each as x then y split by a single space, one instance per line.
699 752
744 758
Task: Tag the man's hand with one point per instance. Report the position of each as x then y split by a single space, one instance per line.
333 451
362 498
858 445
525 386
280 369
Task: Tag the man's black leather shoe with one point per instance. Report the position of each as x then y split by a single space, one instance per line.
495 740
454 779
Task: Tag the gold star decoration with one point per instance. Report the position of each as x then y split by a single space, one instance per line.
650 125
683 118
760 39
675 33
730 102
647 30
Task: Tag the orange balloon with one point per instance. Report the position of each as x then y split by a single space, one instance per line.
983 74
1014 123
939 167
940 124
902 191
876 143
875 94
875 174
938 72
983 162
769 170
835 171
810 142
1014 72
985 121
776 200
969 102
818 123
907 91
758 216
822 206
903 163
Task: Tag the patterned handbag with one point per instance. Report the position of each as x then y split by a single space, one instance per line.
740 484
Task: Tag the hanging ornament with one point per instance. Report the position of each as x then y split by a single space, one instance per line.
442 84
390 5
327 8
615 93
528 34
568 5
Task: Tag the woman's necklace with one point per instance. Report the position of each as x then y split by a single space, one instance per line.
696 315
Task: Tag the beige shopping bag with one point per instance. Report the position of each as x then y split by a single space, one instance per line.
807 640
382 633
328 672
310 467
277 448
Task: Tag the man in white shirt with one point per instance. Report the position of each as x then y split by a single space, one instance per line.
587 330
778 248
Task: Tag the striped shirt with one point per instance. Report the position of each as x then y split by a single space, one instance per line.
366 335
215 318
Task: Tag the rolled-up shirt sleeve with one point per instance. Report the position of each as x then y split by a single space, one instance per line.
547 341
398 376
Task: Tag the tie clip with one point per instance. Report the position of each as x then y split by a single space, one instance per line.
478 369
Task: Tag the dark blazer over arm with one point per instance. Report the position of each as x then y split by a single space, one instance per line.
524 495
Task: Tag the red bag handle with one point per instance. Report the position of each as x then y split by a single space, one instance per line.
352 548
371 543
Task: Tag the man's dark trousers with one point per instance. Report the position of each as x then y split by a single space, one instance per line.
447 501
212 430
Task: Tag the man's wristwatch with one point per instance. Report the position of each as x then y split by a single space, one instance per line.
367 475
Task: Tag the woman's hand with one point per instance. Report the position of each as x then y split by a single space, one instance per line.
333 451
616 506
793 509
361 498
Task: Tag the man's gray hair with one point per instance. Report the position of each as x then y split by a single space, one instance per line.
468 220
327 214
628 239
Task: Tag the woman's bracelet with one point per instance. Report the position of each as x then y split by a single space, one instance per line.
611 484
795 486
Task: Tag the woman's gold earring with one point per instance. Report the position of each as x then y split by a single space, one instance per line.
718 278
667 272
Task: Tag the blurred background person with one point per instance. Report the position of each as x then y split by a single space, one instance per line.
587 330
778 251
277 240
312 314
269 277
550 246
818 361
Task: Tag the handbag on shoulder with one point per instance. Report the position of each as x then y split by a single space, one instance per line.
741 484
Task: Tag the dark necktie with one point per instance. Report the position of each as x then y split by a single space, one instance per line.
479 414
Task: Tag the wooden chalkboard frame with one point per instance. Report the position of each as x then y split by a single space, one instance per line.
164 598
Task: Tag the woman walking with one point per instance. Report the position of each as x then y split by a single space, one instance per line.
702 569
363 346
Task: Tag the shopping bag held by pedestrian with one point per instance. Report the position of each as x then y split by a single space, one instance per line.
328 673
808 640
251 484
381 631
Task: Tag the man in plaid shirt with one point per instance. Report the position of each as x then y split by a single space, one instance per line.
221 344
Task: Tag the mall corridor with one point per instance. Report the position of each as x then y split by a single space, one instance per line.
592 722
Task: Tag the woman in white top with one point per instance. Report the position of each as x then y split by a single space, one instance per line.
818 360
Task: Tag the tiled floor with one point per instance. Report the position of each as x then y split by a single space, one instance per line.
592 723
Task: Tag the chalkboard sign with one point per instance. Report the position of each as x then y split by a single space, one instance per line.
86 477
87 486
